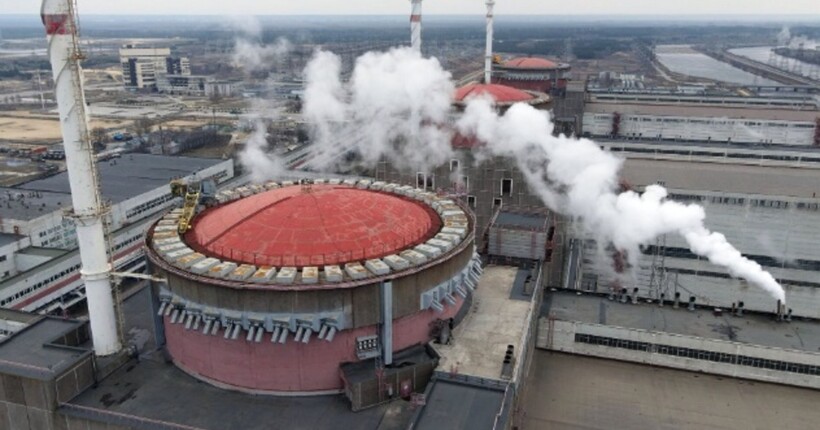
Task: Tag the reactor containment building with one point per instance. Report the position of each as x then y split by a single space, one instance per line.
275 286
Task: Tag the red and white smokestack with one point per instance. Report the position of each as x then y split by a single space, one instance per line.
488 55
59 18
415 26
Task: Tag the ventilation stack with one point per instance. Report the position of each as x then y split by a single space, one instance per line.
415 26
60 20
488 55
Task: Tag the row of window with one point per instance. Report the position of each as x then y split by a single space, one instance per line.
767 203
763 260
427 182
62 274
699 354
40 285
149 205
708 121
693 153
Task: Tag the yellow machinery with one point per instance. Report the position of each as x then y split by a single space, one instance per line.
497 59
192 193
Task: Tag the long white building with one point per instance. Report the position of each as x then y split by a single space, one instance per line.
702 123
39 260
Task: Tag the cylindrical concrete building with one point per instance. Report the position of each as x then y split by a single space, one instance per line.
533 74
277 285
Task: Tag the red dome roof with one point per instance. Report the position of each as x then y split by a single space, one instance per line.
500 93
327 225
530 63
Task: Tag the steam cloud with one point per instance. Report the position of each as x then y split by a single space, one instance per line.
397 103
252 55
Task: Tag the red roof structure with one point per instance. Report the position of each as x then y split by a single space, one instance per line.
323 224
499 93
530 63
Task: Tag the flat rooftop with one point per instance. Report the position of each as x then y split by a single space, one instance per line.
519 219
756 329
131 175
29 352
497 318
154 389
9 238
684 110
454 403
572 392
159 391
727 178
22 204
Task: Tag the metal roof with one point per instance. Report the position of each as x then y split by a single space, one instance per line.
131 175
721 177
325 224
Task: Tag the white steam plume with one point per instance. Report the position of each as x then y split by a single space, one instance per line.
398 105
251 55
395 106
577 178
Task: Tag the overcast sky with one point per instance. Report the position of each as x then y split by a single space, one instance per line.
379 7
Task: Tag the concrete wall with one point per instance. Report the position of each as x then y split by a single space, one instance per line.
560 336
294 367
29 404
704 129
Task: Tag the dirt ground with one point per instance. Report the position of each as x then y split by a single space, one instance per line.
23 127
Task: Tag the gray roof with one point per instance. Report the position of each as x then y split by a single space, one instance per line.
728 178
751 328
8 238
683 110
24 205
29 352
130 175
459 402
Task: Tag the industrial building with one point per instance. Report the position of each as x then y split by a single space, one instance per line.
533 73
39 257
151 68
771 221
309 281
702 123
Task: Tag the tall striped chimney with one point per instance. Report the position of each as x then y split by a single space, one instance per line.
60 21
488 55
415 26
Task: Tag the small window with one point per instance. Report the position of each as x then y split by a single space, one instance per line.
430 183
506 187
420 180
471 202
497 201
455 164
2 258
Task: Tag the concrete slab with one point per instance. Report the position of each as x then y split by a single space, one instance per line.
494 322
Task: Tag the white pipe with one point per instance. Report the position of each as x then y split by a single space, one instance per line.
415 26
85 198
488 54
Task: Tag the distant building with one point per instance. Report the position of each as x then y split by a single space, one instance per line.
147 68
533 73
699 122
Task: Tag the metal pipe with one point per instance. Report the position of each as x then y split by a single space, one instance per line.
415 26
63 49
488 54
387 322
